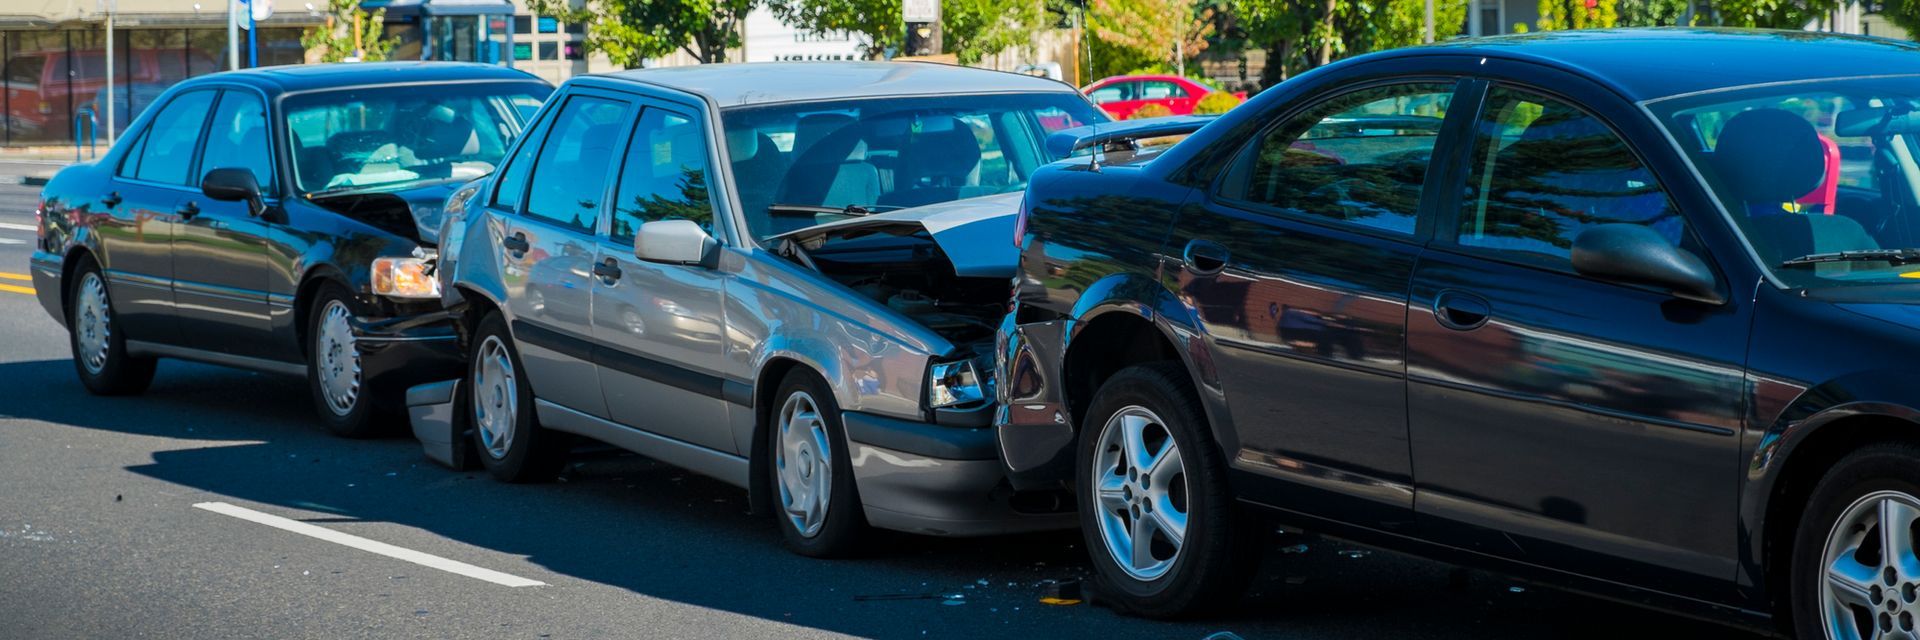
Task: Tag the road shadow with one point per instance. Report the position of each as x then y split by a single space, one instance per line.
625 521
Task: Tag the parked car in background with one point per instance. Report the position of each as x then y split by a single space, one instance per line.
782 275
240 220
44 86
1551 304
1120 96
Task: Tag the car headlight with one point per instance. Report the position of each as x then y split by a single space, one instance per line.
953 384
411 277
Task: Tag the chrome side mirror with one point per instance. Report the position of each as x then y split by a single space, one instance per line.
673 242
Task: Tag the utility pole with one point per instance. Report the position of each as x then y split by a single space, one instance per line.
111 5
1429 22
233 35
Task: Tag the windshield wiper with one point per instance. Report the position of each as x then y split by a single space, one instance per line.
849 210
1895 256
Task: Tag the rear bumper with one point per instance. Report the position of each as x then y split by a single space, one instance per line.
437 424
942 480
1034 428
45 269
399 353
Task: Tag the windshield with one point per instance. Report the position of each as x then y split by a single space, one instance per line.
402 136
798 165
1811 170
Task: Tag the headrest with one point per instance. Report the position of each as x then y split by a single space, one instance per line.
943 148
743 144
1768 156
813 128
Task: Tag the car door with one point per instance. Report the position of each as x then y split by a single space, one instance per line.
220 247
544 216
1117 98
1169 93
150 181
1556 419
1298 265
658 327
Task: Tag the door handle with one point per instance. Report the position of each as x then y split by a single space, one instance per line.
188 210
607 272
1461 311
112 200
516 244
1204 257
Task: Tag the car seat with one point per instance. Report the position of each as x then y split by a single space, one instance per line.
1768 157
938 164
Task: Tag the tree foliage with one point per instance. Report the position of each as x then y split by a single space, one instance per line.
1771 14
1653 13
1302 34
1561 15
881 21
975 29
336 38
1141 33
630 31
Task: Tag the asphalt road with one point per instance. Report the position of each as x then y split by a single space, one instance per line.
99 538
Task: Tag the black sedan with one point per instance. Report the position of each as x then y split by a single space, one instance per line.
1627 311
253 218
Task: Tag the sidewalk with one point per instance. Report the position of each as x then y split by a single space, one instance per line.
33 166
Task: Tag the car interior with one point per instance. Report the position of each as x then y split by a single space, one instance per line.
370 141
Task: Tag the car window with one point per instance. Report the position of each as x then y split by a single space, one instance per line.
1542 171
397 136
1115 92
25 70
1157 89
1359 158
169 140
237 138
663 176
570 174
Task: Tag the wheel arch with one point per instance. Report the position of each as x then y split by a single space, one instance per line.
766 383
68 264
303 296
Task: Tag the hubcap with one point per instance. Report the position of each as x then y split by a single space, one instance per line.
804 462
496 399
1140 493
93 323
339 358
1871 570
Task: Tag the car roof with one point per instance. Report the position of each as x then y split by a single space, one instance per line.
1647 64
304 77
753 83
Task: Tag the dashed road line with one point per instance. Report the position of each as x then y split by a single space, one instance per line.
372 546
15 226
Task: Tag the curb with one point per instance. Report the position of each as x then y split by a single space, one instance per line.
35 181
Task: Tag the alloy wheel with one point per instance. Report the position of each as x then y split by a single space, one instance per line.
1140 492
339 358
1870 589
804 462
93 323
496 397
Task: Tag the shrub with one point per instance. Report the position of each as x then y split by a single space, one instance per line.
1216 102
1150 110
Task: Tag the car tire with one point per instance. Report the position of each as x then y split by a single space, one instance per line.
333 367
1842 528
1199 551
820 517
99 347
507 437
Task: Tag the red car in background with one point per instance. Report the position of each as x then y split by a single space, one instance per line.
1119 96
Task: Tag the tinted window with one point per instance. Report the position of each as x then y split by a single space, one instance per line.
664 175
237 138
169 140
1543 171
1359 158
570 174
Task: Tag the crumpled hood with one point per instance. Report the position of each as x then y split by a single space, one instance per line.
975 233
427 204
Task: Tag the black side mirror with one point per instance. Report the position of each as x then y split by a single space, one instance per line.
232 184
1634 254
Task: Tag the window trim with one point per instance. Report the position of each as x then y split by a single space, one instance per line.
269 191
1448 138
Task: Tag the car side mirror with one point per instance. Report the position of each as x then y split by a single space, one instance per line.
234 185
673 242
1635 254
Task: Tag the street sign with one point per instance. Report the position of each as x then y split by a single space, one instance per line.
920 10
262 9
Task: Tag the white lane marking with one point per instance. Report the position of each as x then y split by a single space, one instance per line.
11 241
15 226
374 546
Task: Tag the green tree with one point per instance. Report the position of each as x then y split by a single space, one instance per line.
1771 14
1652 13
349 32
974 29
1302 34
630 31
1903 13
880 21
1560 15
1132 35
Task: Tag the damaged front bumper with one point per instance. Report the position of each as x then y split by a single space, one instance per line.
943 479
400 352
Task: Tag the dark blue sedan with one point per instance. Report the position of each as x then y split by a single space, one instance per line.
1633 312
